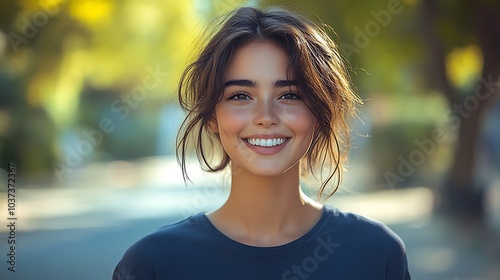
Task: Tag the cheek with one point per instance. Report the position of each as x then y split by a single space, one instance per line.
302 120
231 121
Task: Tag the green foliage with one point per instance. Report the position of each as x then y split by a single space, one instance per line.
58 50
64 63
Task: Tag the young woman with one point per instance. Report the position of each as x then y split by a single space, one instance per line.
270 90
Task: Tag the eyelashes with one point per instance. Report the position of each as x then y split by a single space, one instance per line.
291 96
241 95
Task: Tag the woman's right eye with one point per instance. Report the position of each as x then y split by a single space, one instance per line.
239 96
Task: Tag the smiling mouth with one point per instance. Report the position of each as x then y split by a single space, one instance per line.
266 142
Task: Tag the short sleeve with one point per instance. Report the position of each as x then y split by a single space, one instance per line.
134 265
397 265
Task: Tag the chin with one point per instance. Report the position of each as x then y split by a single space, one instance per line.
264 171
259 172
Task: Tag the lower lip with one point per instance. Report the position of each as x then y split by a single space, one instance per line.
266 151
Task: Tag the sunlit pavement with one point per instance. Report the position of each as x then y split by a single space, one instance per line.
78 229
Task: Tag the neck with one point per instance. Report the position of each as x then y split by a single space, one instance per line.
276 196
263 210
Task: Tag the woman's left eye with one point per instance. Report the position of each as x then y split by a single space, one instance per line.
290 95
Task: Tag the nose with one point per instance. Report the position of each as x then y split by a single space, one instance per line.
266 113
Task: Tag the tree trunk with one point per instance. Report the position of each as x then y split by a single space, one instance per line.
460 195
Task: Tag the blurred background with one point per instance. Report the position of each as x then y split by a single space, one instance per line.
88 117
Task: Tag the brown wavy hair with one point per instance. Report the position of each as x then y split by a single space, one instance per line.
317 68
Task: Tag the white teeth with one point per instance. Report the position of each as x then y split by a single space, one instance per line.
266 142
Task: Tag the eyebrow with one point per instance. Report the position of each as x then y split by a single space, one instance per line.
253 84
284 83
241 83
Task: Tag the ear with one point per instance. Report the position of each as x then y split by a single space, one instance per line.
213 125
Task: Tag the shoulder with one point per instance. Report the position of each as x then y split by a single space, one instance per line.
369 243
141 259
364 231
171 236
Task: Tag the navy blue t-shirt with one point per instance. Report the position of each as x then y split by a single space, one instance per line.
340 246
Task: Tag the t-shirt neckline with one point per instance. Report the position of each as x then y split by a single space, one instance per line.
265 252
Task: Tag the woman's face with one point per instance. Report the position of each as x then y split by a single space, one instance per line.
262 121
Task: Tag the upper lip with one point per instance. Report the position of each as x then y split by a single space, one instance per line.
266 136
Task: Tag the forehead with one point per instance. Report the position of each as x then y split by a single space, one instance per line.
258 61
